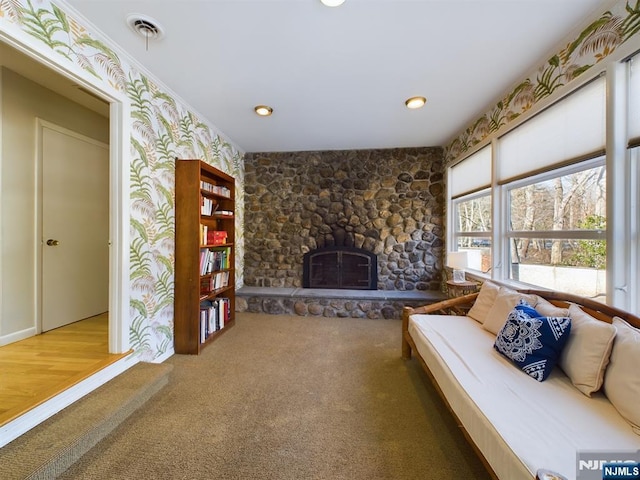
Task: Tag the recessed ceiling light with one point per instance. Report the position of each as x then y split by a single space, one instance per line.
263 110
415 102
332 3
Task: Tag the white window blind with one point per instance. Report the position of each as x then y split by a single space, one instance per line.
571 129
634 101
471 174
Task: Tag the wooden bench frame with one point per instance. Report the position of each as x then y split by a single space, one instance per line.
461 305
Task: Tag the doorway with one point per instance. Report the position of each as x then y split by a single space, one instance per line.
21 320
74 174
36 65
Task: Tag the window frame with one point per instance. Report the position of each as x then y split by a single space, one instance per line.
508 235
546 176
456 234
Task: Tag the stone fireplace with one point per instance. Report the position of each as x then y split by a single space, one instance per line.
387 202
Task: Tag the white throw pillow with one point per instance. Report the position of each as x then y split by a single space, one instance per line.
506 300
622 378
484 301
586 355
548 309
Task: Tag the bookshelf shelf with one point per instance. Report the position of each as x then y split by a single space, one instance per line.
214 293
205 257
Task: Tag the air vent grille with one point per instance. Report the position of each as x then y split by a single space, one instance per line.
145 26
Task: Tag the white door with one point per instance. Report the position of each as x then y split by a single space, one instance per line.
75 227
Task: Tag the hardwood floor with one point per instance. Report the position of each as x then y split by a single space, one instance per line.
35 369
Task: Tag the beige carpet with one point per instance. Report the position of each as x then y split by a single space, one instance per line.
281 397
54 445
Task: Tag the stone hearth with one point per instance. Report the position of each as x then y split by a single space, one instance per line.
322 302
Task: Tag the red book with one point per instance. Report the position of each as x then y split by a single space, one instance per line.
216 237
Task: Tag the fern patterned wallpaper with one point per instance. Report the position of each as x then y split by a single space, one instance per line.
594 44
161 129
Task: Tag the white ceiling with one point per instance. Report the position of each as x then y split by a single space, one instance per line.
337 78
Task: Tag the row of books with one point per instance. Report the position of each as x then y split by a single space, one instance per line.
217 189
214 315
210 208
207 206
212 237
215 282
213 259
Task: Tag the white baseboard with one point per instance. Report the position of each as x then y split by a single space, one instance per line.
32 418
162 358
17 336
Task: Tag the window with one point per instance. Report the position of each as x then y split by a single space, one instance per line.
557 229
469 182
552 177
561 207
473 229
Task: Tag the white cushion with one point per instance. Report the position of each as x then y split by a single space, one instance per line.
484 301
622 378
586 354
518 424
502 306
548 309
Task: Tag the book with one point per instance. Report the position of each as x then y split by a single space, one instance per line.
216 281
214 316
216 237
217 189
203 325
213 259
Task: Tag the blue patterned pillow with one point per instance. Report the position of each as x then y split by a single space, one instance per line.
531 341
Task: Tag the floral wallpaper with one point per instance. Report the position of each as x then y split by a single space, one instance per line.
596 42
162 129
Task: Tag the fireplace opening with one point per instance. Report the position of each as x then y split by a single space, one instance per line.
340 267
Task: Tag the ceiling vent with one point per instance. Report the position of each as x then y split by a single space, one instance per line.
145 26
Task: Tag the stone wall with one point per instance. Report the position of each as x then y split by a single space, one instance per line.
389 202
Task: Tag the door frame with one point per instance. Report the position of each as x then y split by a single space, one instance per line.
41 124
119 168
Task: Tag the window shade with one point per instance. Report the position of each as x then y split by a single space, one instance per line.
471 174
634 101
572 128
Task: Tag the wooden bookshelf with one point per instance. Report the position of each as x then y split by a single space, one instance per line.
205 299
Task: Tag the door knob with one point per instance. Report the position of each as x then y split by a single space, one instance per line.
52 243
